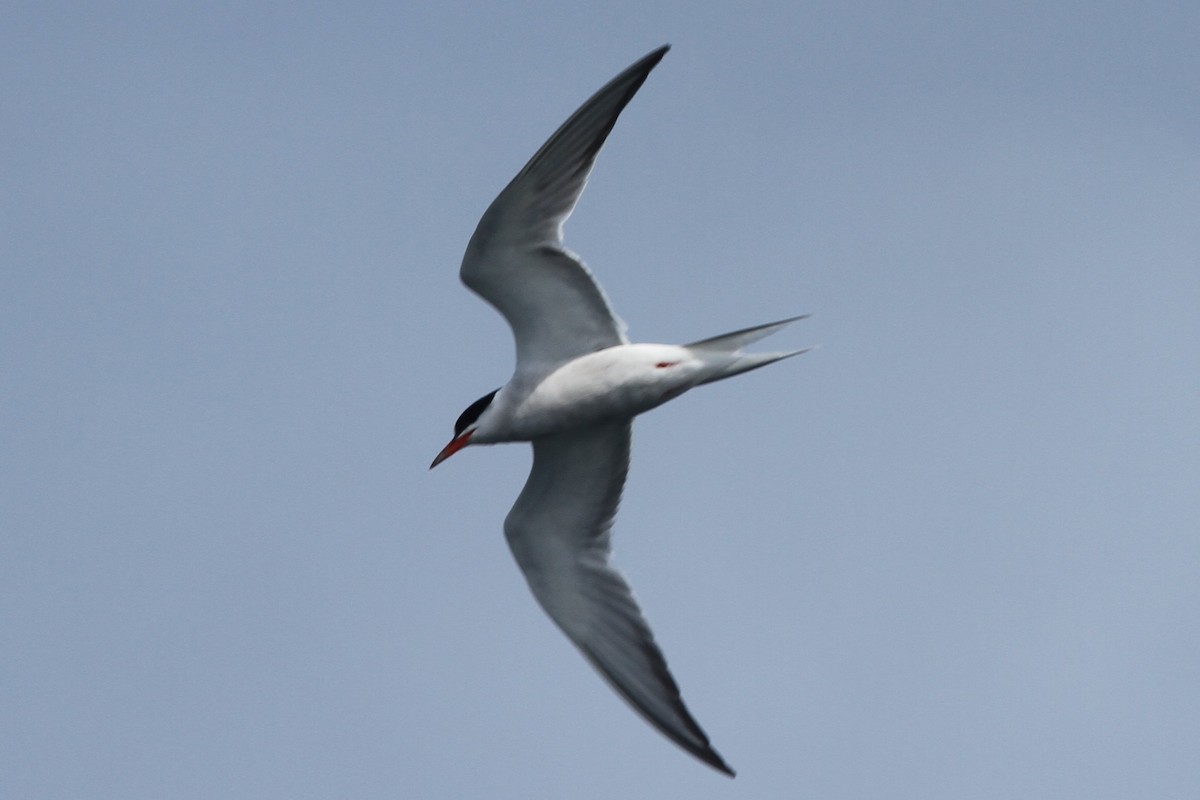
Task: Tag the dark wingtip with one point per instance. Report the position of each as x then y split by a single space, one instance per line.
648 61
714 760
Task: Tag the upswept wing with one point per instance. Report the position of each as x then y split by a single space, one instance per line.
516 260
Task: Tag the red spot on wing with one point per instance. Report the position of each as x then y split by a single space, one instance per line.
665 364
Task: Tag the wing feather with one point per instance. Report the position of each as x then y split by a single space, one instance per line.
516 260
559 531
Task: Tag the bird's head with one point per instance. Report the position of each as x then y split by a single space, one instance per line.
465 427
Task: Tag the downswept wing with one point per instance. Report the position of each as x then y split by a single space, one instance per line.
516 260
559 531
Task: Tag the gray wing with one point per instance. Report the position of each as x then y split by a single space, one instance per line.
516 260
559 532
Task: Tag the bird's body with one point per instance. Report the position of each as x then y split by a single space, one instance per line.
604 386
609 385
577 386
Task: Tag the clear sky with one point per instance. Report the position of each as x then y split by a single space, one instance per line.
953 553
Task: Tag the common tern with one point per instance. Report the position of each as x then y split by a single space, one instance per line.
577 386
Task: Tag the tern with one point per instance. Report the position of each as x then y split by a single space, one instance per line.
577 386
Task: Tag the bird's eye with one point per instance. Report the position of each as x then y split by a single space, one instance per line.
468 417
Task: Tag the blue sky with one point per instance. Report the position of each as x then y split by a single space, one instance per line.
952 553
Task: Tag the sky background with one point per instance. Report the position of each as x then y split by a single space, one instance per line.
954 552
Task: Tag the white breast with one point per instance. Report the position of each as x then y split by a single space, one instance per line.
616 383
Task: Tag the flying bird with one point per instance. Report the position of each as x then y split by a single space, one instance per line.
577 386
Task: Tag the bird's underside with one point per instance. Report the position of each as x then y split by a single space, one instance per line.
578 384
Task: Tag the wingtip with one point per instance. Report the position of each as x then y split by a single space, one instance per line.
702 750
651 59
718 763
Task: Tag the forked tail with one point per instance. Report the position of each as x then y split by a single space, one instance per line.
724 352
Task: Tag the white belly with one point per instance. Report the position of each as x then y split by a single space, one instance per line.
615 383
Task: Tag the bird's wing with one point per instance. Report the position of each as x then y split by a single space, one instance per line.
516 260
559 532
